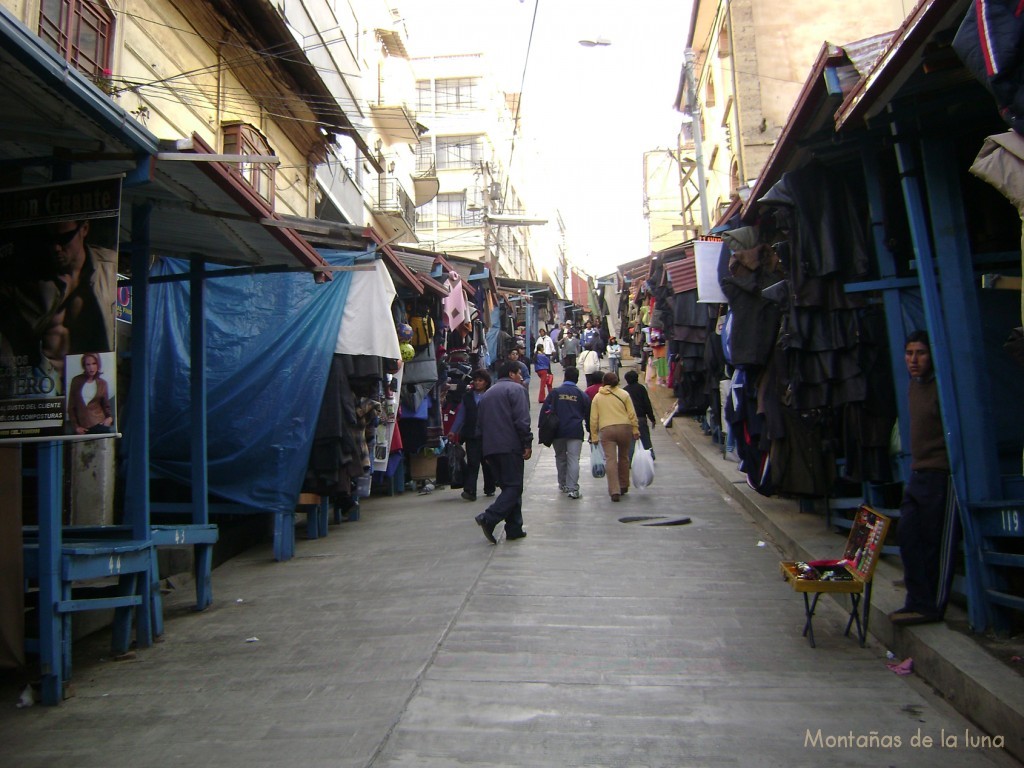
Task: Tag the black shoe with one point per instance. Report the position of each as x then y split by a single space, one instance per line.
488 528
623 491
468 496
488 493
514 536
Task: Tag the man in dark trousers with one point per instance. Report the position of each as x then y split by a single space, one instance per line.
467 427
572 407
504 417
927 531
570 348
642 405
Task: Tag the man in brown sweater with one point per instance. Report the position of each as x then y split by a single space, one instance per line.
927 532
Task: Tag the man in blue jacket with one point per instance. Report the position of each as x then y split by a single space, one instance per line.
572 407
504 418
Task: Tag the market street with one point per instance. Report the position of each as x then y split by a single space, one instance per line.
405 639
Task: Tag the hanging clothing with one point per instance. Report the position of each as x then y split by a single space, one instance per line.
454 305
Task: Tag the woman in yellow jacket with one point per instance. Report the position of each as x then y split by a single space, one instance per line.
613 421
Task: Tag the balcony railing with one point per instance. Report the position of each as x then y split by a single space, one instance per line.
392 200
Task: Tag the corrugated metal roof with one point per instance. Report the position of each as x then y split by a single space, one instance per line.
416 262
682 274
899 59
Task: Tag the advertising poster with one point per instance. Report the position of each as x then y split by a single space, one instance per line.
58 298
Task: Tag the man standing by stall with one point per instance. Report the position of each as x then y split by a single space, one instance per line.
504 415
927 531
467 427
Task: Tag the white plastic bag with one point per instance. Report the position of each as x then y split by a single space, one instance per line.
596 460
642 470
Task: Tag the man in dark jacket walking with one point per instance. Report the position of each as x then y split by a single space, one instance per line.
572 407
504 417
642 405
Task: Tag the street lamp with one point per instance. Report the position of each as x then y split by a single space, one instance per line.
597 42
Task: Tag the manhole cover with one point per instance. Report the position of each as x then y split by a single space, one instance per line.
652 520
673 521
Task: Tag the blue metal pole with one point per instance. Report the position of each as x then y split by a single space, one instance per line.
890 299
50 472
137 508
137 482
203 553
959 303
978 612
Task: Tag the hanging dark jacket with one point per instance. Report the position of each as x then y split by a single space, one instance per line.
755 322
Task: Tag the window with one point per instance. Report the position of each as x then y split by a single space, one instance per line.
424 97
456 93
459 152
79 30
244 139
709 93
449 210
724 43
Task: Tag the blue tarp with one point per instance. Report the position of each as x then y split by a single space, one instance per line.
270 339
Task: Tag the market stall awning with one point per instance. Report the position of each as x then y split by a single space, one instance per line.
904 55
50 113
227 220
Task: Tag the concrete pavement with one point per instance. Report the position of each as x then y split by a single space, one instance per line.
980 675
405 639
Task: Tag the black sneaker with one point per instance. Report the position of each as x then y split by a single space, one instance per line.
488 528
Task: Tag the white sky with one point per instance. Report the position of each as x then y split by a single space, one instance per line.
591 112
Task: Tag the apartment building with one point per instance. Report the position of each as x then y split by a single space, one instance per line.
316 94
380 189
471 147
750 59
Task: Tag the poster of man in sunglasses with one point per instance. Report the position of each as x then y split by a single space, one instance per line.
58 288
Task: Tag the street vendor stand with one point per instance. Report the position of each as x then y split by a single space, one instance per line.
850 575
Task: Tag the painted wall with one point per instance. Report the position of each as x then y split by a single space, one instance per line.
750 75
